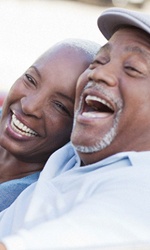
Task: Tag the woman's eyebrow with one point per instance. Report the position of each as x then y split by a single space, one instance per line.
37 71
65 96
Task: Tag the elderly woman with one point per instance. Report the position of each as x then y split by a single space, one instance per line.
37 114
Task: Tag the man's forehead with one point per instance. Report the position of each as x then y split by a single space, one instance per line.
140 49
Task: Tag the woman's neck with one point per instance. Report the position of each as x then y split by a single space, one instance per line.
12 168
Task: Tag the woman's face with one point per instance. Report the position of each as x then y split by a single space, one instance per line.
38 111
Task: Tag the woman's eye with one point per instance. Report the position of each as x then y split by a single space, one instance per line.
61 108
30 79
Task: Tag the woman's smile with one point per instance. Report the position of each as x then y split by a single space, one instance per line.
20 128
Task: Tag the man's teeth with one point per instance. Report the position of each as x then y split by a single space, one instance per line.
89 114
93 114
21 128
95 110
90 98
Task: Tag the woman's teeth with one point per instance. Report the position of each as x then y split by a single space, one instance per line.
21 128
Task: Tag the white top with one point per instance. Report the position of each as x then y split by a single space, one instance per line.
105 203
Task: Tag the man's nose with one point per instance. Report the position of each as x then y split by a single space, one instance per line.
104 74
33 105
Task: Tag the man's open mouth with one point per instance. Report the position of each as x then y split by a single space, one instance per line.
96 107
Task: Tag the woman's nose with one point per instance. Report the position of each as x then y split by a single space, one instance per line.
32 105
104 74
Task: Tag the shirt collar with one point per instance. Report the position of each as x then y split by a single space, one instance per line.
130 158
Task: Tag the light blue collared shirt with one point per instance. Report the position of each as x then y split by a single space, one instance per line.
102 204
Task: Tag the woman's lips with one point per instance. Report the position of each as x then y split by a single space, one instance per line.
20 128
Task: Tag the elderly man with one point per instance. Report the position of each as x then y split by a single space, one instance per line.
98 196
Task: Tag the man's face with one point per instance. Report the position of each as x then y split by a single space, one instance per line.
113 98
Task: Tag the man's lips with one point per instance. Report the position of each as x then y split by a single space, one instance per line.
21 128
96 107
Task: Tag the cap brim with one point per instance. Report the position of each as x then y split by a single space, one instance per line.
113 18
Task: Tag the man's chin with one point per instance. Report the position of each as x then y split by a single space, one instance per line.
88 149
